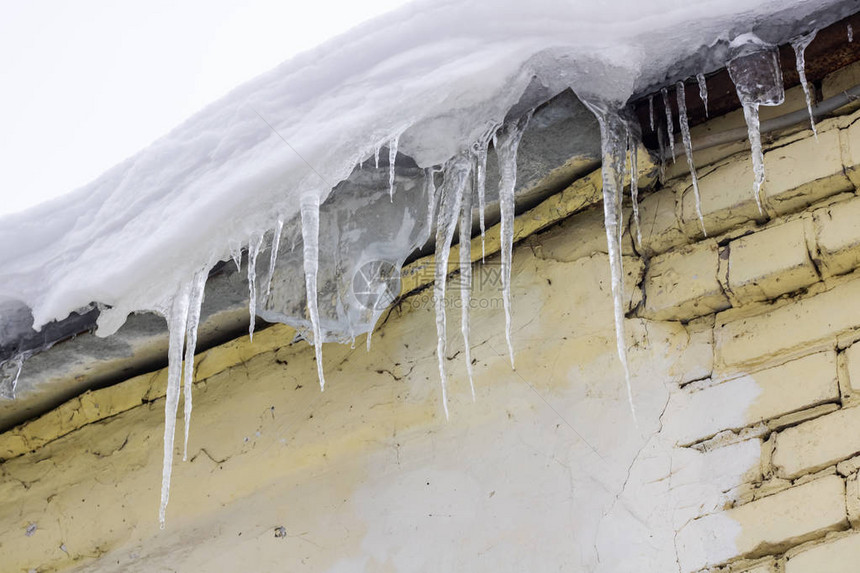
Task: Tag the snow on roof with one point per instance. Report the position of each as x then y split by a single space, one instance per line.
434 75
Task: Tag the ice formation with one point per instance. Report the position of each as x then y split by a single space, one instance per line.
684 124
432 199
613 137
254 246
670 128
479 150
651 111
703 90
273 258
195 301
457 174
506 141
177 319
10 372
310 236
758 81
392 155
428 79
633 150
800 44
465 252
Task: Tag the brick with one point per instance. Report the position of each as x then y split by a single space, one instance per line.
770 263
765 526
837 236
852 362
851 157
683 284
661 229
744 401
852 500
841 555
804 171
807 324
727 198
841 80
817 443
697 360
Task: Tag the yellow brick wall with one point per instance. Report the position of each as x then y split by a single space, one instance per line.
744 348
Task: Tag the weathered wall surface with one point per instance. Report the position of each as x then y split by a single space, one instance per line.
746 381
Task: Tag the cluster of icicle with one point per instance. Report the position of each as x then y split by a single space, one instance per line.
450 205
462 176
748 88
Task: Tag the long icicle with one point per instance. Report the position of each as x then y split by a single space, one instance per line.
177 319
651 111
466 270
506 142
670 128
273 256
310 208
456 178
661 145
800 44
703 90
479 150
198 286
392 156
684 124
633 151
254 246
613 145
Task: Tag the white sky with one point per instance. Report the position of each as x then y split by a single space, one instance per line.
85 84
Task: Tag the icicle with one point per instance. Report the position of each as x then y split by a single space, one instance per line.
758 81
633 150
479 150
688 150
612 135
670 128
661 143
236 255
254 246
273 256
369 338
850 31
177 319
703 91
310 235
506 141
751 118
800 44
651 110
376 158
392 156
430 189
198 285
466 272
453 186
